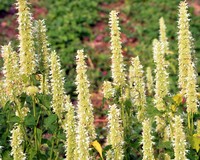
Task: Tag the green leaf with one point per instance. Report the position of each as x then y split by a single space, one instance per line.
14 119
196 142
50 120
30 120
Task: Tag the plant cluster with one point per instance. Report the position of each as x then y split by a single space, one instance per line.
145 120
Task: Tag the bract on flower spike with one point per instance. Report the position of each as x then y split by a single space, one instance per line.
117 67
57 85
26 47
115 135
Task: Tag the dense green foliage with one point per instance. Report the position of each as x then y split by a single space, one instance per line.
5 4
68 24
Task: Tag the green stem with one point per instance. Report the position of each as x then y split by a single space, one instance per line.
35 127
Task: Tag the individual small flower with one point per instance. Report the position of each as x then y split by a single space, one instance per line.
12 81
191 94
161 86
44 55
108 89
117 67
163 37
32 90
70 129
179 139
86 130
184 46
115 135
57 85
16 143
147 140
149 81
26 47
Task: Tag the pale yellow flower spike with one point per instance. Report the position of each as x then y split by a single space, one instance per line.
149 81
44 55
191 94
137 86
147 141
26 47
16 144
70 127
184 46
11 72
57 85
163 36
179 139
115 135
117 67
161 86
86 131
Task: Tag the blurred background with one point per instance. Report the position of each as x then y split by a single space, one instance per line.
77 24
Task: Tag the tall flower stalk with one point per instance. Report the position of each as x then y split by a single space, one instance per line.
163 37
16 143
26 47
70 126
44 55
57 85
147 140
115 136
179 139
12 82
137 86
184 46
117 67
86 131
161 86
